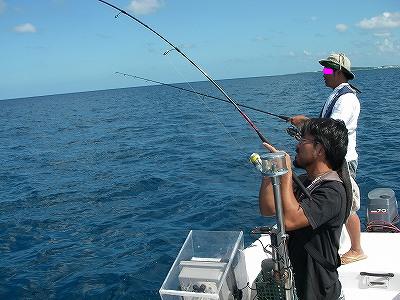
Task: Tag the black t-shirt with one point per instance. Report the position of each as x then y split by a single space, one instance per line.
326 215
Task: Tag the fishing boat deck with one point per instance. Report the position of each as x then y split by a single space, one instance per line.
383 257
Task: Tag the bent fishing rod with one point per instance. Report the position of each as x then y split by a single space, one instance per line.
260 135
204 95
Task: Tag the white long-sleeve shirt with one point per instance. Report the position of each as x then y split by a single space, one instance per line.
347 108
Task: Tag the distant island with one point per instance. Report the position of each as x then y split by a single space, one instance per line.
374 68
361 68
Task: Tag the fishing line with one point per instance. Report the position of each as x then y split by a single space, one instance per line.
195 65
249 121
214 115
211 110
285 118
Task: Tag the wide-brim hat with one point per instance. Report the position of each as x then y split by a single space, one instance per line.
338 61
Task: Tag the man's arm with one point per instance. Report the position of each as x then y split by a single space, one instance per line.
266 198
293 214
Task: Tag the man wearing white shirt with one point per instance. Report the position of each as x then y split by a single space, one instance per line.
343 104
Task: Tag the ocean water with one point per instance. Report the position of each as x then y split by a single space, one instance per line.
98 190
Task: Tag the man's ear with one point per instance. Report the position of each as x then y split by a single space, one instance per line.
320 150
340 74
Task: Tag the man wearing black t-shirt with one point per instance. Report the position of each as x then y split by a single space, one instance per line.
314 225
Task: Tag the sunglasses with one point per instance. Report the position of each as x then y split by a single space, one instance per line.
306 141
327 71
294 132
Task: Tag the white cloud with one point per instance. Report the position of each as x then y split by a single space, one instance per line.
388 45
341 27
306 53
2 6
385 45
291 53
260 39
25 28
386 20
382 34
143 7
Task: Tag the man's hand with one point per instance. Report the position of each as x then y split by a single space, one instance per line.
272 149
298 120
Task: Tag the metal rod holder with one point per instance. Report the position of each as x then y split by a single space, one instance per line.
274 166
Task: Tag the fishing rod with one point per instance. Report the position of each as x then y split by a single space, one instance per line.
260 135
195 65
204 95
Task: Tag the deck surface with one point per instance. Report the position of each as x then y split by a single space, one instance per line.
383 250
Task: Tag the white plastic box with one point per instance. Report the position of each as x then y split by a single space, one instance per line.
203 268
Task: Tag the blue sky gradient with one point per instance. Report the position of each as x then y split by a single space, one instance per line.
63 46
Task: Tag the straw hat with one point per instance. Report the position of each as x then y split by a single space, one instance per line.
338 61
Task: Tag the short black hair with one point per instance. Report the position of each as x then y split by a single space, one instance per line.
332 135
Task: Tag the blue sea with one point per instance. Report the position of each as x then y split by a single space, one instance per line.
98 190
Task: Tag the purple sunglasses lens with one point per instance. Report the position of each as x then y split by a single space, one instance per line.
327 71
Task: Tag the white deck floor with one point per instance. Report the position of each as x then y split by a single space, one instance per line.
383 250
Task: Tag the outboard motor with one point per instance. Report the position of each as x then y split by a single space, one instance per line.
382 211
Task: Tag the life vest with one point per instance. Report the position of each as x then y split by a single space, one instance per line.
344 90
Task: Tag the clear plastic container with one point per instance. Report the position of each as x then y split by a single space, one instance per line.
203 268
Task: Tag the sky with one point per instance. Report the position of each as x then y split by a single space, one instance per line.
65 46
